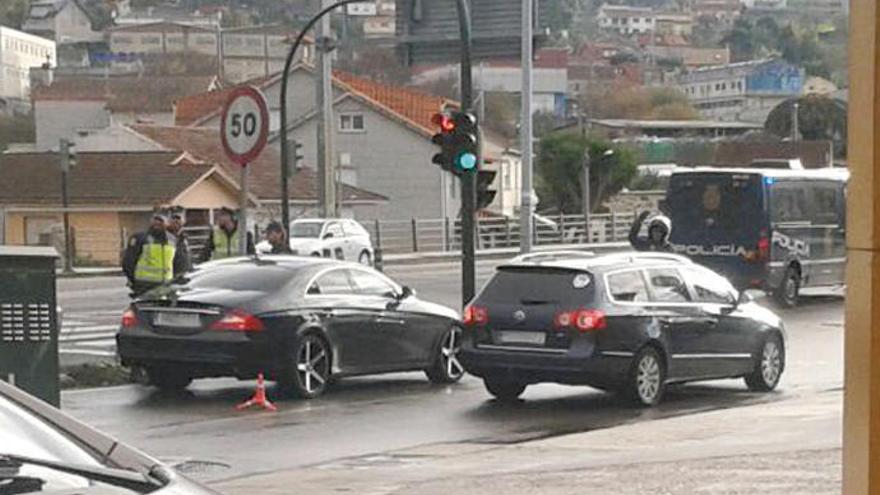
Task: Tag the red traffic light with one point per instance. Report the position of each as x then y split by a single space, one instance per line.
444 121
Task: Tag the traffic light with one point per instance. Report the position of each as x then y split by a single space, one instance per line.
445 139
295 162
66 155
467 145
485 196
457 139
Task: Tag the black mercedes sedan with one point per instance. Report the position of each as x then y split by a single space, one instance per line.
627 322
302 322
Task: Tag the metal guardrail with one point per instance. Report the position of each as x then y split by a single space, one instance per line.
419 234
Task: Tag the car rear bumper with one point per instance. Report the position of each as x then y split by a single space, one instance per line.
598 369
214 355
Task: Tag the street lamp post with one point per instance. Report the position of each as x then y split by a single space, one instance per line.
285 171
586 189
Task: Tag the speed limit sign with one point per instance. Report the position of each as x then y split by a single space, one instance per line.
245 125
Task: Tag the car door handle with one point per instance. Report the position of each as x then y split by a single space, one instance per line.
389 320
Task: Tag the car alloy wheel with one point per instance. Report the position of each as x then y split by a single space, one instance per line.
647 378
769 365
447 368
312 371
789 290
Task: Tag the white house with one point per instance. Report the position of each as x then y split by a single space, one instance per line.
65 21
19 52
626 20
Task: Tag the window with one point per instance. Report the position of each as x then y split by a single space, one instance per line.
353 228
826 203
334 282
370 284
333 230
351 122
668 286
627 286
789 203
150 40
709 287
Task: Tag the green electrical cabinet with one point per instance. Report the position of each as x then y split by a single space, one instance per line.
29 321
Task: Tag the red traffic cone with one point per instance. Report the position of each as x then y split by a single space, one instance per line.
259 398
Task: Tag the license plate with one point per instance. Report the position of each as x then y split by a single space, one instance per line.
182 320
515 337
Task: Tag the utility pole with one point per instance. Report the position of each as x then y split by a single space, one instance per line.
469 179
586 194
65 161
326 160
525 213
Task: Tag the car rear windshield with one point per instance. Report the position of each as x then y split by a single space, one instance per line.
707 208
527 285
248 277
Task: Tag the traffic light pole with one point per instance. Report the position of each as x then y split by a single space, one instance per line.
64 155
468 179
285 75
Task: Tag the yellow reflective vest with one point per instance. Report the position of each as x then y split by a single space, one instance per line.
225 245
156 263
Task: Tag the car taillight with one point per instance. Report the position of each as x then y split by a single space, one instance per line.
763 246
129 319
475 315
239 321
585 320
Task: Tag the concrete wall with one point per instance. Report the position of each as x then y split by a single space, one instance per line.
62 119
163 39
389 159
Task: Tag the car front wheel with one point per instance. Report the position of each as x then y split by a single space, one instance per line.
647 377
769 364
447 368
310 373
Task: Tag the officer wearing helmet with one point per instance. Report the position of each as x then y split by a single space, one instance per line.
658 233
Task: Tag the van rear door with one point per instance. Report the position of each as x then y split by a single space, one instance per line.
719 219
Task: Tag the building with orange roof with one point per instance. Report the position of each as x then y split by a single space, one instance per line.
382 140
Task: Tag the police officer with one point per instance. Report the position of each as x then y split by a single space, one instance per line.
658 233
277 238
224 239
149 257
183 256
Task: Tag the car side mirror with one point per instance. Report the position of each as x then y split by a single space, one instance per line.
405 293
328 235
744 298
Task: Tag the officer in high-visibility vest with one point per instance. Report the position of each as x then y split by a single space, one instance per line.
149 257
224 241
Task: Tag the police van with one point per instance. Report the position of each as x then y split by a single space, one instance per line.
772 229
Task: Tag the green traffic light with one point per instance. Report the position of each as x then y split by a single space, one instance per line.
467 161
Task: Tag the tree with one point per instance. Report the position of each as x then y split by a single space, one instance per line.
640 103
559 171
13 13
819 118
16 129
376 63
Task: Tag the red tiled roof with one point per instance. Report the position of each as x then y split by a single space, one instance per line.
414 107
126 179
191 108
125 94
204 143
551 58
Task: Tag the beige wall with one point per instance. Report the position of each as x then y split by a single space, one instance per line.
209 194
97 235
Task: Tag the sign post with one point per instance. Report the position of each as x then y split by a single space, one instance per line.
244 131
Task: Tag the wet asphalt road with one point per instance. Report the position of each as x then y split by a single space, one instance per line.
366 416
